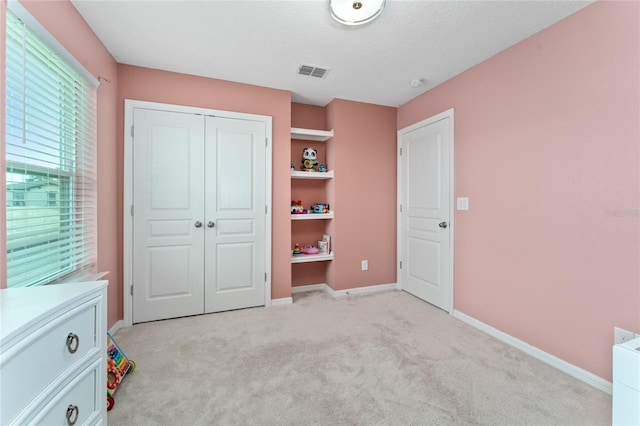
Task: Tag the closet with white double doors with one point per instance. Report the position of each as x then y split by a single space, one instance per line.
199 214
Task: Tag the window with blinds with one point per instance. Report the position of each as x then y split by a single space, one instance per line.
51 162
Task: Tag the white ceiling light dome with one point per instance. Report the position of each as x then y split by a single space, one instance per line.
355 12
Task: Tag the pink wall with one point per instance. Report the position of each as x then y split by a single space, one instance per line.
547 149
363 152
160 86
308 116
63 21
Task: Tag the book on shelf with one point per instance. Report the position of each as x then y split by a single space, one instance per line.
327 238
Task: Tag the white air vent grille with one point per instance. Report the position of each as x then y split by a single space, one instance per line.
313 71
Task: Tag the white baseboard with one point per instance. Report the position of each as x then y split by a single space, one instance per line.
572 370
343 293
281 302
117 326
310 287
360 290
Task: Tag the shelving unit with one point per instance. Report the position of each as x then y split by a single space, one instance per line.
311 135
304 258
312 175
315 136
312 216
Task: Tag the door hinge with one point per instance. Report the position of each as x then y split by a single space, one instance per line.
266 209
131 209
266 141
265 277
400 208
401 151
131 289
131 131
401 264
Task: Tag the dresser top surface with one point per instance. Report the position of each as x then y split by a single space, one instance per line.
21 307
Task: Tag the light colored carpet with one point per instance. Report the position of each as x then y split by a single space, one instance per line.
383 358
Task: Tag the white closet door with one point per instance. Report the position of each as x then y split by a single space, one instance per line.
235 214
168 195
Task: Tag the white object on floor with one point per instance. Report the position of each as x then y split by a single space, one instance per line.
53 354
626 383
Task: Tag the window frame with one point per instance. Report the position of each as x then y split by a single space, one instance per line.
70 173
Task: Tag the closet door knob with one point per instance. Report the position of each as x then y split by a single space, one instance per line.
210 224
198 224
442 224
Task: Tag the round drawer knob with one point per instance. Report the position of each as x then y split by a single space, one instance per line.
73 412
73 342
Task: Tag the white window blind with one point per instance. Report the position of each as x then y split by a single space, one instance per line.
51 162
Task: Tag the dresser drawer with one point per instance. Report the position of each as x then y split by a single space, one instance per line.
46 357
77 403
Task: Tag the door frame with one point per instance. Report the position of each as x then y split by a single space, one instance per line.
451 220
127 219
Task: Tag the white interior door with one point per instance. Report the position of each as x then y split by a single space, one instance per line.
425 228
200 219
168 203
235 214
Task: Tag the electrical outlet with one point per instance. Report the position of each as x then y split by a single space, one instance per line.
365 265
621 336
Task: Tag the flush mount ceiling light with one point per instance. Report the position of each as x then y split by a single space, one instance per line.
355 12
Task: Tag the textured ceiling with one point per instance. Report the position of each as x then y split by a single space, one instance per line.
264 42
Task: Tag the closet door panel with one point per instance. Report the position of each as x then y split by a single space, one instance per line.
235 209
168 193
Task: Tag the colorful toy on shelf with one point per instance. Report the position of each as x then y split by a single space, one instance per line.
322 208
309 159
118 365
297 208
310 249
322 168
296 249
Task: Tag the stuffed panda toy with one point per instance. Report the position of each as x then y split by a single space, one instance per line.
309 161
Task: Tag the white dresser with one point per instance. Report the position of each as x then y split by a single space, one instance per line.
53 354
626 383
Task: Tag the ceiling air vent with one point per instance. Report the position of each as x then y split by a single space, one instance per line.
313 71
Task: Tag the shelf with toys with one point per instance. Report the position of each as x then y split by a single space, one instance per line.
312 216
311 175
305 258
317 211
311 253
310 180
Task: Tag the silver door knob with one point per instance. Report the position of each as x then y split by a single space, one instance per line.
210 224
442 224
198 224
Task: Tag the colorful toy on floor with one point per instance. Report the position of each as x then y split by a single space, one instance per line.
118 365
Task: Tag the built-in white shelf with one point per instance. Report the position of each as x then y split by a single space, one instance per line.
312 175
312 216
311 134
305 258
